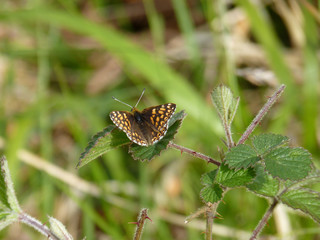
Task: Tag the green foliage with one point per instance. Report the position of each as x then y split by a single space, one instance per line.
305 200
104 141
265 142
225 103
288 163
234 178
241 156
283 162
7 195
144 68
262 167
9 206
264 184
59 229
212 192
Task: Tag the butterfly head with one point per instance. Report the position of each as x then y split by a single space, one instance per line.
133 109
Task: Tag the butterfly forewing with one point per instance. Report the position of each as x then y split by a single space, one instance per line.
150 128
157 119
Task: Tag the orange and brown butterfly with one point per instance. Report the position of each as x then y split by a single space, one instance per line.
146 127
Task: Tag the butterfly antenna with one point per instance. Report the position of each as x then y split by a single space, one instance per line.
122 102
140 97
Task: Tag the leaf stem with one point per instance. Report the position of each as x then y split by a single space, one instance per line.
261 114
264 220
194 153
37 225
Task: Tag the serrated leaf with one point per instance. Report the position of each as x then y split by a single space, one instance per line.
312 178
306 200
211 193
266 142
208 178
59 229
234 178
288 163
241 156
109 138
7 195
233 109
147 153
225 103
263 183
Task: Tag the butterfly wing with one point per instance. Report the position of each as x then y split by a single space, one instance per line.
157 119
125 121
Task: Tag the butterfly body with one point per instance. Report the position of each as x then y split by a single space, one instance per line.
144 127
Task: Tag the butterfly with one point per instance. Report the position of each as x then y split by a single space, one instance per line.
144 127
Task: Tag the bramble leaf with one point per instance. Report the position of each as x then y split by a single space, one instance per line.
7 218
147 153
109 138
208 178
211 193
234 178
59 229
288 163
267 142
241 156
306 200
264 184
225 103
7 195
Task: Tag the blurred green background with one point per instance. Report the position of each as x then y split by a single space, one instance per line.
62 61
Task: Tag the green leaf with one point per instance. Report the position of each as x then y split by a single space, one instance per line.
225 103
312 178
211 193
208 178
111 137
306 200
7 195
59 229
266 142
7 218
147 153
234 178
241 156
264 184
288 163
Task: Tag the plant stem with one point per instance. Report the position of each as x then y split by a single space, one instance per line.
36 224
141 220
264 220
261 114
194 153
227 129
210 214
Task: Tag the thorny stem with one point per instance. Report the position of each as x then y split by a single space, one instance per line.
261 114
141 220
264 220
210 214
36 224
194 153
